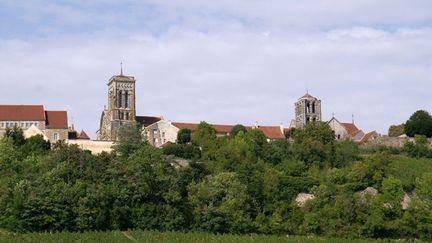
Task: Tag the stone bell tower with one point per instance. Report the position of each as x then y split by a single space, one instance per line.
307 109
121 106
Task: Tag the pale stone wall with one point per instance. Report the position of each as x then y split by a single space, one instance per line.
397 142
96 147
339 130
62 134
160 133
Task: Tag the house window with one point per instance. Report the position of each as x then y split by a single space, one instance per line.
163 134
155 132
2 124
56 136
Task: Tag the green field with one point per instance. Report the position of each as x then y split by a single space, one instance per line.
150 236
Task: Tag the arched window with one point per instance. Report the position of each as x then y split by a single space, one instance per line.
126 99
313 107
119 99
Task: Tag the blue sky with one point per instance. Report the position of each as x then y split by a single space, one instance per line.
226 61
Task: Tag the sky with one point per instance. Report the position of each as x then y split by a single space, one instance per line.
224 62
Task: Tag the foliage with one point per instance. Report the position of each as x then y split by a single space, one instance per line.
396 130
184 136
420 123
237 129
129 139
231 184
16 134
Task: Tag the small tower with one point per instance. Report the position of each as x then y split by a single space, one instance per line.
307 109
121 106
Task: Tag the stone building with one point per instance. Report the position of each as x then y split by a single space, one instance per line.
162 132
349 131
121 108
34 119
307 109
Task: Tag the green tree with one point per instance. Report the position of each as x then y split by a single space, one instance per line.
16 133
420 123
184 136
396 130
204 134
314 143
129 139
219 204
237 129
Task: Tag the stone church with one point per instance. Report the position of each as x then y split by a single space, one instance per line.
307 109
121 108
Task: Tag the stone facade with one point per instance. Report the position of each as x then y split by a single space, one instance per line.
121 107
160 133
307 109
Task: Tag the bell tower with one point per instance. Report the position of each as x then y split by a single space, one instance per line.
121 106
307 109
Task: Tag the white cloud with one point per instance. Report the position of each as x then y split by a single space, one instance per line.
228 62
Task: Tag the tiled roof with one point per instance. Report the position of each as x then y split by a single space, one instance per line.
22 113
56 119
147 120
351 129
272 132
83 135
368 136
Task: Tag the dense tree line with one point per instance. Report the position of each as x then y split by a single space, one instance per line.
240 183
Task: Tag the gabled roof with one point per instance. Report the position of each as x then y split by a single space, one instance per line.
22 113
83 135
147 120
272 132
56 119
351 128
368 136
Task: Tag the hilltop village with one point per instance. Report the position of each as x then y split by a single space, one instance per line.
121 109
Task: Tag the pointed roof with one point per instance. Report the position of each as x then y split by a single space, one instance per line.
83 135
307 96
351 128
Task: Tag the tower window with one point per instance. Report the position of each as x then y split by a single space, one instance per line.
313 107
126 99
119 98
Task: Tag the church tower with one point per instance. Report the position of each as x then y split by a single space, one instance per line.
307 109
121 106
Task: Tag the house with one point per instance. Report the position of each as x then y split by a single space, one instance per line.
34 119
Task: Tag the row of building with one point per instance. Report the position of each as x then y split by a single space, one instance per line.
121 109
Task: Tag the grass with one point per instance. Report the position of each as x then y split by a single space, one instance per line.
167 237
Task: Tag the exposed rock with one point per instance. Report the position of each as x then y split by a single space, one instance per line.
369 191
303 198
406 200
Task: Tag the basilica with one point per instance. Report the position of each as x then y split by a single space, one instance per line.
121 109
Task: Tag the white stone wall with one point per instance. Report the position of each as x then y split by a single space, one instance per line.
160 133
339 129
96 147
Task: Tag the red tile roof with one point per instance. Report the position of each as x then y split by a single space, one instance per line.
22 113
368 136
83 135
272 132
351 129
56 120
